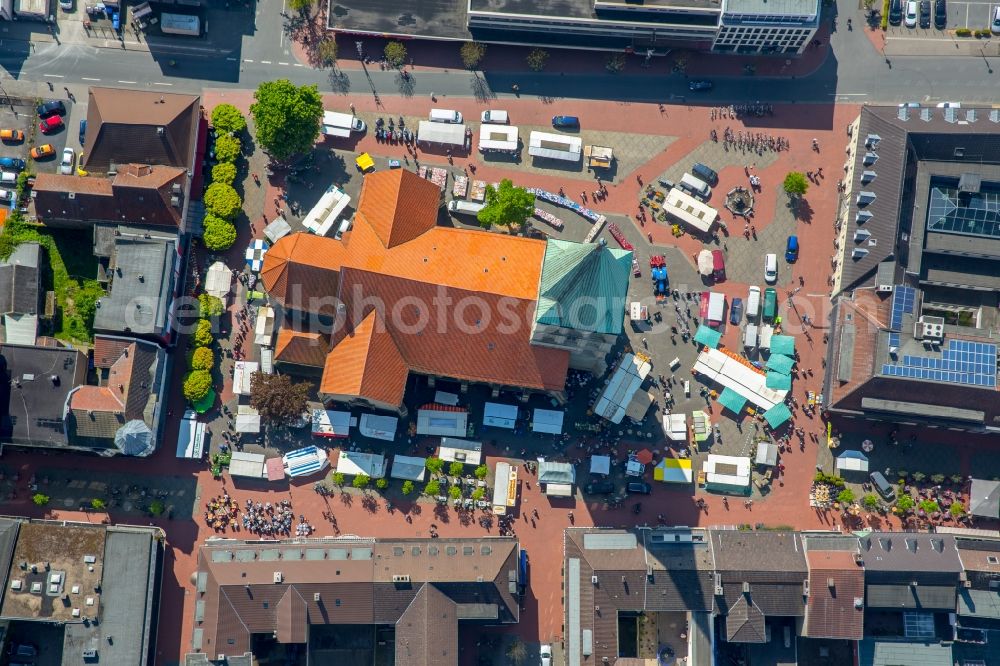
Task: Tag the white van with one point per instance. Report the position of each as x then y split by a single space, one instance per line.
8 178
344 227
495 117
695 186
445 116
467 207
995 22
341 124
750 337
753 302
716 308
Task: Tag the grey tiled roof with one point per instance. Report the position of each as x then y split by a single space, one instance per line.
923 597
873 652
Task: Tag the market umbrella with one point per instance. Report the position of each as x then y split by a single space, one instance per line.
134 439
780 363
779 381
707 336
645 456
783 344
868 446
777 415
218 280
255 254
705 263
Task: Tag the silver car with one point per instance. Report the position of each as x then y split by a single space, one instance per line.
68 162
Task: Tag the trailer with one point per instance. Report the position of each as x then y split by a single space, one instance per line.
180 24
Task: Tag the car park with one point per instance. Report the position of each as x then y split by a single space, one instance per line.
753 302
68 161
639 488
940 14
8 178
792 249
736 311
700 85
603 487
707 174
15 163
910 20
925 13
50 125
565 122
770 268
51 108
11 135
44 150
495 117
895 12
718 266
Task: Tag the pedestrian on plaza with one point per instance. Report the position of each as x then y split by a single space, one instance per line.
352 108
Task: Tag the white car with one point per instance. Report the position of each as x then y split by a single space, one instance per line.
949 105
546 653
6 195
68 162
66 5
771 268
911 14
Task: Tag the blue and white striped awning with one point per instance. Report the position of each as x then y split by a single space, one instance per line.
305 461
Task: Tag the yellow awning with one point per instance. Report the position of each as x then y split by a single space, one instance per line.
365 162
673 470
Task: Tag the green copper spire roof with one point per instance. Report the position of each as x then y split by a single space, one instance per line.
583 286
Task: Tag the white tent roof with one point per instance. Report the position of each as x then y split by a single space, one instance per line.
446 133
499 415
264 328
767 454
408 468
852 461
378 427
735 473
690 211
242 371
556 472
218 280
191 436
555 146
442 423
247 464
305 461
329 423
326 211
277 229
625 381
247 419
548 421
984 498
600 465
730 373
453 449
497 137
674 470
354 463
675 427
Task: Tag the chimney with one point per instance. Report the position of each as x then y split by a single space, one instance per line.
831 583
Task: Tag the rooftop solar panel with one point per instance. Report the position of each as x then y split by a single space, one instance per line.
960 361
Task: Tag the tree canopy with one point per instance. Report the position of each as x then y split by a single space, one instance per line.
326 51
209 306
219 234
223 200
227 148
197 384
287 117
203 334
795 184
395 53
202 359
506 205
277 398
472 54
224 172
227 118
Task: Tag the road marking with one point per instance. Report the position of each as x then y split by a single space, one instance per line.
54 76
281 38
283 63
298 64
162 84
126 82
232 59
851 94
265 62
86 78
247 60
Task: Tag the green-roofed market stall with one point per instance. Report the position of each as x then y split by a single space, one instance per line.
732 400
778 380
777 415
780 363
783 344
707 336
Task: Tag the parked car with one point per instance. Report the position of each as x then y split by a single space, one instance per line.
736 311
770 268
6 195
68 161
603 487
940 15
50 125
83 132
13 135
949 105
995 21
44 150
565 122
699 85
792 249
925 13
22 650
66 5
910 20
895 12
12 163
545 652
639 488
770 309
883 487
51 108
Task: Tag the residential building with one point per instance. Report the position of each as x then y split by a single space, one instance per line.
918 270
399 296
54 577
977 629
835 595
416 596
21 293
731 26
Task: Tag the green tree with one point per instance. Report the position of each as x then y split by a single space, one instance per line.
957 509
482 472
478 493
338 479
795 184
937 479
222 200
537 59
40 500
224 172
226 118
506 205
929 506
456 468
203 334
615 63
382 484
98 504
918 477
287 117
455 492
227 148
434 465
395 53
517 652
407 487
870 501
433 488
209 306
361 481
301 6
197 384
157 507
326 52
277 398
904 503
845 496
202 359
472 54
219 234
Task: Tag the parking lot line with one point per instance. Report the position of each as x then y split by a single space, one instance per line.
265 62
54 76
126 82
87 78
162 84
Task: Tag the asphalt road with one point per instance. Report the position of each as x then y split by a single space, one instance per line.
853 73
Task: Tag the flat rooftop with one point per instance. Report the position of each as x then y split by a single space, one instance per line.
589 9
443 19
33 393
140 287
772 7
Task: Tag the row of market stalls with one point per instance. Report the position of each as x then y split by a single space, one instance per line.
621 395
742 382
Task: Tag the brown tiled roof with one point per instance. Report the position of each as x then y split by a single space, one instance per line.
143 194
300 267
366 363
830 609
107 350
137 126
427 632
399 205
865 312
745 622
292 616
301 347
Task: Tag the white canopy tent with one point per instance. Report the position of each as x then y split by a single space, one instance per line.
733 374
444 133
852 461
600 465
247 419
354 463
305 461
548 421
446 398
263 332
242 372
191 437
500 416
767 454
675 427
556 472
408 468
727 470
249 465
277 229
442 423
614 400
497 137
690 211
329 423
378 427
465 451
219 281
324 214
555 146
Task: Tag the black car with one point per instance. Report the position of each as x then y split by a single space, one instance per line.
925 13
940 15
895 12
699 85
83 131
51 108
639 488
600 488
736 311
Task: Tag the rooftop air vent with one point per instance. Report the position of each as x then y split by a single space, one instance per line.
71 195
861 235
867 177
718 585
929 328
870 158
859 602
277 577
859 253
401 578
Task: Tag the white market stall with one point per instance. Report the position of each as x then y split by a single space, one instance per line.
442 422
329 423
354 463
767 454
408 468
263 332
219 281
449 134
305 461
248 465
549 421
498 415
446 398
378 427
247 419
728 474
465 451
497 137
675 427
852 461
191 437
628 376
324 214
688 210
242 372
555 146
674 470
738 376
558 478
504 488
277 229
600 465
